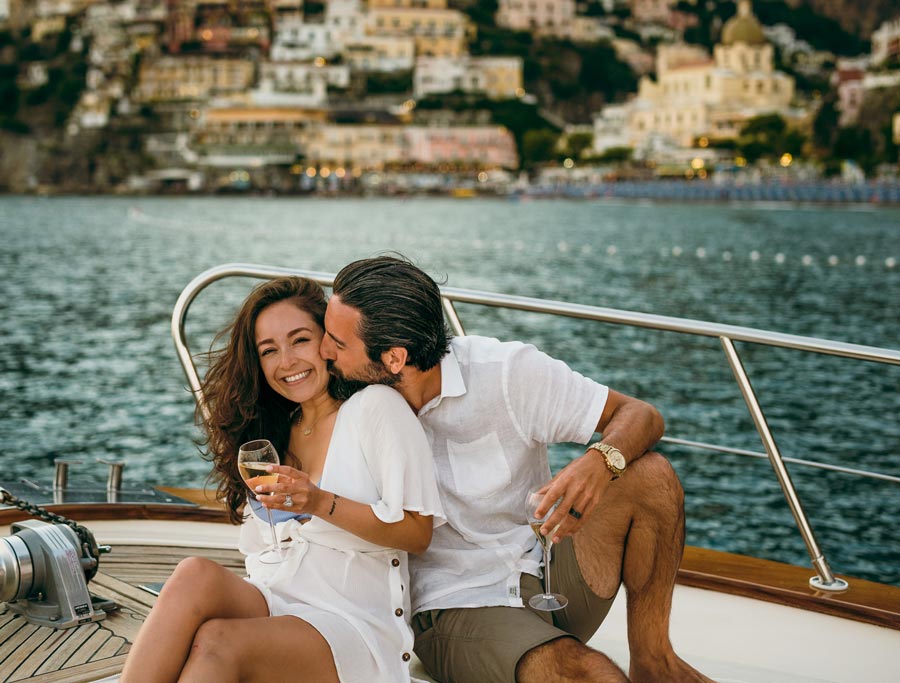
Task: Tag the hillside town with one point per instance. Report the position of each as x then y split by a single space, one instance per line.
465 96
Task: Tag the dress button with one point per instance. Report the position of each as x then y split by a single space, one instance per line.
406 657
395 562
398 612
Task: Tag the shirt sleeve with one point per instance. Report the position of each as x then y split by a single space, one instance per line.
550 402
398 456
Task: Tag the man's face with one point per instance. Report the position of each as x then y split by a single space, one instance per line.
345 352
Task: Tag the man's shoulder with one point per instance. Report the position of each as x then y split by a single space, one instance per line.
474 348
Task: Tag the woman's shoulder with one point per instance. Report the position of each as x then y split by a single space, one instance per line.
376 395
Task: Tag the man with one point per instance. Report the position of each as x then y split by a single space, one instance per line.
489 410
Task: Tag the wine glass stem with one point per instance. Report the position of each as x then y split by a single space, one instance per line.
275 540
547 570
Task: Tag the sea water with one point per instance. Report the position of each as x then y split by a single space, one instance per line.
89 369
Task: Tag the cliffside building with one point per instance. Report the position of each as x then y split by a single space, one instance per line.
696 96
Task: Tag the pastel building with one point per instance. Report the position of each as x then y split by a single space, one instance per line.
695 96
651 10
356 147
191 77
548 17
487 147
363 147
345 19
297 40
848 79
299 76
254 136
886 42
494 77
436 32
380 53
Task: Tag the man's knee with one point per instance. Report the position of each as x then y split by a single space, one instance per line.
654 479
567 660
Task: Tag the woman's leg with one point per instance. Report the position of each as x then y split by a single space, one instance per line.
197 591
269 649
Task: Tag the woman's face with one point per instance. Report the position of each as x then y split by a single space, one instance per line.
287 341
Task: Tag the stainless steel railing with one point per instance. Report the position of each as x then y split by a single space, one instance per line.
727 335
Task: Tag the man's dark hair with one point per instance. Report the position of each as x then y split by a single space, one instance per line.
400 305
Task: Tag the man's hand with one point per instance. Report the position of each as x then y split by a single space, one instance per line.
579 486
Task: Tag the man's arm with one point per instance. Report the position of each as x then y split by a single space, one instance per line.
632 426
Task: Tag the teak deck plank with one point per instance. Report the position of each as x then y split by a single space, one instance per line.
90 651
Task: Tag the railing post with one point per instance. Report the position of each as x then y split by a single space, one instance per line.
453 317
824 579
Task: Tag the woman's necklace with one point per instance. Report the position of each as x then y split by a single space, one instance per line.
306 431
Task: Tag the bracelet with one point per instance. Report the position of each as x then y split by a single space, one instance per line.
333 503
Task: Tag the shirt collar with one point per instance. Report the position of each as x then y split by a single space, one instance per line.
452 383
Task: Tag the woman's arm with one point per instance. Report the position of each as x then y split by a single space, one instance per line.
412 533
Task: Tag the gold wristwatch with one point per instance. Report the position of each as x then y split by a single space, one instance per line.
612 456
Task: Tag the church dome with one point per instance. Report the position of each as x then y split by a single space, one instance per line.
743 28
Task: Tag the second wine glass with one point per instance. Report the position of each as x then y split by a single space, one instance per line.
548 601
253 457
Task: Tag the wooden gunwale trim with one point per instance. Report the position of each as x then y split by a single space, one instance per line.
86 512
740 575
865 601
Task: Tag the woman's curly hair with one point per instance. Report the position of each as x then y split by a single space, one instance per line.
240 403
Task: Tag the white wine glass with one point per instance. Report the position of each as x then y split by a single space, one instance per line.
253 457
548 601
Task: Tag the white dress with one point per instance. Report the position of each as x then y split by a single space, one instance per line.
355 593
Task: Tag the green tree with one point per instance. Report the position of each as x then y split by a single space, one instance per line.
602 70
577 143
9 91
768 136
538 145
825 124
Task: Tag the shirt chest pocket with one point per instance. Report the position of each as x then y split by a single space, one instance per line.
479 467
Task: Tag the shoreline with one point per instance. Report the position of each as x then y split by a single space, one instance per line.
814 193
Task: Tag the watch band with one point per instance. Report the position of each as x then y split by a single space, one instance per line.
609 454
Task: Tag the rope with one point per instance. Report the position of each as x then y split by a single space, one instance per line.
88 543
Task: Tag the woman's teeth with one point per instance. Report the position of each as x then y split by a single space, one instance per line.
297 377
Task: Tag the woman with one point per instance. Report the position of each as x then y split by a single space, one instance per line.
355 493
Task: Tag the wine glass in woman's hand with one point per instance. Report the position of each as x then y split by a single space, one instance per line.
253 457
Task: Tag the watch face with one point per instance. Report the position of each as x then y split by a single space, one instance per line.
616 459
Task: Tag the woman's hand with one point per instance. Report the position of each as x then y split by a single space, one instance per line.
294 491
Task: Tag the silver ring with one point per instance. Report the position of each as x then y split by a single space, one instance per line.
288 501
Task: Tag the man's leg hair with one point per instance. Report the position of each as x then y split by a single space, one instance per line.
566 660
636 537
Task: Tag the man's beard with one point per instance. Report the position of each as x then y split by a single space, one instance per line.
374 373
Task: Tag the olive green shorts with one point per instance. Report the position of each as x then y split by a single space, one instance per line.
485 644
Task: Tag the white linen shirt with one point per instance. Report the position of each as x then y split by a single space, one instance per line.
500 405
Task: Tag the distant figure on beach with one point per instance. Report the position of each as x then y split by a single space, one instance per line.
490 409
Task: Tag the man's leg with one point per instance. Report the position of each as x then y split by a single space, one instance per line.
636 537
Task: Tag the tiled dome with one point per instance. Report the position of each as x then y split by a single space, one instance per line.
743 28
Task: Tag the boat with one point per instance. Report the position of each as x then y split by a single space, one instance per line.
80 568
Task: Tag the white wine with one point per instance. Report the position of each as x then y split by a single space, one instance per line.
249 470
536 528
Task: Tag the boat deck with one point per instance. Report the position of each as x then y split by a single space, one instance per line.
92 651
725 607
